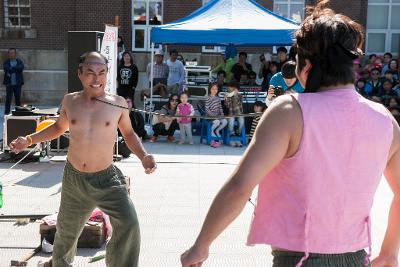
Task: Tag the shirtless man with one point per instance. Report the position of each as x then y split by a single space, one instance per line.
90 179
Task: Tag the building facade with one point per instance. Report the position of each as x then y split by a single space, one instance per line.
38 29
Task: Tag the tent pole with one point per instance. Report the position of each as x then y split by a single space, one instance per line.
151 79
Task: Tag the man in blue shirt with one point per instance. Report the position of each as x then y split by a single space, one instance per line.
286 79
13 79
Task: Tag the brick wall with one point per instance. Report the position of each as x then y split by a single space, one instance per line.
52 19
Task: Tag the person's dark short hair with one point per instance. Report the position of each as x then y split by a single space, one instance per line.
281 49
12 49
387 81
389 72
221 72
289 70
376 70
252 75
361 80
260 104
371 56
233 84
276 64
243 54
173 51
388 54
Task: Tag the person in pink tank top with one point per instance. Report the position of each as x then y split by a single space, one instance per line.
317 159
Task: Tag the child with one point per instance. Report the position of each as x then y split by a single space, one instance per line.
233 102
259 107
214 108
185 124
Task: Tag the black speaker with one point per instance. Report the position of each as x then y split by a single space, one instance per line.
18 126
80 42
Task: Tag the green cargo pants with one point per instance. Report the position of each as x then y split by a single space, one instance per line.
81 193
290 259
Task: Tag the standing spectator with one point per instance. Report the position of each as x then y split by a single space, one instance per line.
160 73
213 108
121 47
389 75
287 79
221 80
242 67
176 74
226 66
259 107
166 125
137 120
127 76
13 79
282 57
387 57
233 102
185 124
251 78
263 72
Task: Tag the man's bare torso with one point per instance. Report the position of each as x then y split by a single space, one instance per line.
93 127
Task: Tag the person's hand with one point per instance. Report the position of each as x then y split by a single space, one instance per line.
19 144
385 261
149 164
271 93
194 257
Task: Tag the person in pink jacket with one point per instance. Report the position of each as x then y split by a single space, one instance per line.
317 159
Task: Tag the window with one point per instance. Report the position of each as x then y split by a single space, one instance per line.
383 26
291 9
145 15
17 14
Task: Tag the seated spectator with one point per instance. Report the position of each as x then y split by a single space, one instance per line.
287 79
387 90
389 76
137 120
396 113
393 102
242 67
163 125
371 62
259 107
233 102
360 86
244 79
251 78
357 69
282 57
213 108
374 85
387 57
273 69
365 74
176 75
394 69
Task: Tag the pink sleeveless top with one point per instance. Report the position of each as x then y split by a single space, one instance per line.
319 200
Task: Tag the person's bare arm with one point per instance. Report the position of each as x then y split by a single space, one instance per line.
133 141
47 134
269 146
388 256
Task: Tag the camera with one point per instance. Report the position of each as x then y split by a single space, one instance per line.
278 90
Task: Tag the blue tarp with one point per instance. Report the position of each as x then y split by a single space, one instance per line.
228 22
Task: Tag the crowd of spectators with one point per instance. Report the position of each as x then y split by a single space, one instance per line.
378 80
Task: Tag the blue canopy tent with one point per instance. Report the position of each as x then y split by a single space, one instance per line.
226 23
